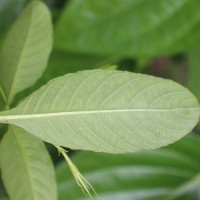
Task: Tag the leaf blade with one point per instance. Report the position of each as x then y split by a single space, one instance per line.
30 35
26 162
107 110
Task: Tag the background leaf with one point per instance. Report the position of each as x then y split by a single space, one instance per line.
26 49
128 28
147 175
107 110
3 193
194 70
62 62
9 9
27 170
2 198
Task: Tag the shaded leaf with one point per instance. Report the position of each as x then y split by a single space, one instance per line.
62 62
3 193
27 170
108 111
128 28
147 175
9 9
26 49
194 70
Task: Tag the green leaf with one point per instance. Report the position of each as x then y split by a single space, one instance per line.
147 175
3 194
27 170
108 111
128 28
62 62
26 49
9 9
194 70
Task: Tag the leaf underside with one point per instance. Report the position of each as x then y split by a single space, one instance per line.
108 111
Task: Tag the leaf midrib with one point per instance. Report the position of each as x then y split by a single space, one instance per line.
9 96
68 113
25 163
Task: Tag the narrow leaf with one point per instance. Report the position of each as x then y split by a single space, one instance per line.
128 28
26 49
27 170
108 111
147 175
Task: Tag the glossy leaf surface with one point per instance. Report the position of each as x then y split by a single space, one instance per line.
128 28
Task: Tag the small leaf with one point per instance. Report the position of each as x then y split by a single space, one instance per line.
147 175
128 28
26 49
109 111
26 167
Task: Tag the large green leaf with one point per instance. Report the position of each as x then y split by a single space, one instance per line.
26 167
129 28
108 111
147 175
26 49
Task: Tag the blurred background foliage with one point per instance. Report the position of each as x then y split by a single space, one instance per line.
160 38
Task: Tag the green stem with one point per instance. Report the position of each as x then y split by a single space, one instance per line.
80 180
